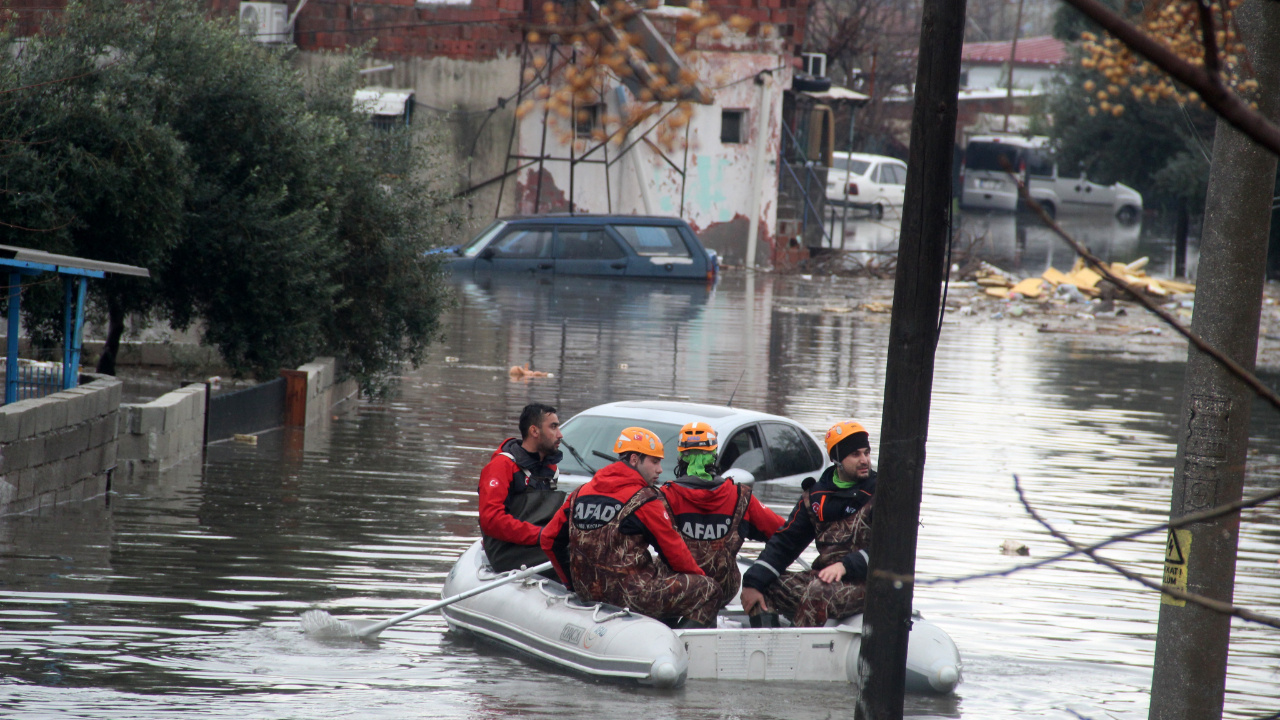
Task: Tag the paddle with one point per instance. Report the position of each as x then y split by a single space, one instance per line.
321 624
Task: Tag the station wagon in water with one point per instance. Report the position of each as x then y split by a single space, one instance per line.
586 245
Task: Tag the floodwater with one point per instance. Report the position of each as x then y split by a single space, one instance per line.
181 599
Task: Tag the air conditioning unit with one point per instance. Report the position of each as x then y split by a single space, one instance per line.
265 22
815 64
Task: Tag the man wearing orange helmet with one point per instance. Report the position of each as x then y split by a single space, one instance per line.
518 490
599 540
712 512
834 513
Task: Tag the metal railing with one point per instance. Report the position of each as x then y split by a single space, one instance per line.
37 380
810 178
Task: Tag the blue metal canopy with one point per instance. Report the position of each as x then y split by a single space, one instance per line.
75 272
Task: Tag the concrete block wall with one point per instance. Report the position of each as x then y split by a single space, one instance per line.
59 448
323 389
158 435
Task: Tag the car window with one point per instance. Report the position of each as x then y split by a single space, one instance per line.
474 247
745 452
899 174
654 240
524 243
587 244
856 167
591 434
997 157
789 454
1039 163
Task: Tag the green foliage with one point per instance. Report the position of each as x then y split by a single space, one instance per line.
254 192
1160 149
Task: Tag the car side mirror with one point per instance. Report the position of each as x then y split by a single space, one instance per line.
487 254
740 476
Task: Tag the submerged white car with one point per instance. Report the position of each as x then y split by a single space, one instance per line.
868 182
770 447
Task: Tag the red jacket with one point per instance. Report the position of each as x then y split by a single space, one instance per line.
614 484
704 513
502 477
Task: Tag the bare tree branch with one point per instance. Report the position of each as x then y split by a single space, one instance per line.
1209 39
1210 87
1205 602
1185 520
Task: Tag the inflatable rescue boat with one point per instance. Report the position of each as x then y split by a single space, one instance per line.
540 617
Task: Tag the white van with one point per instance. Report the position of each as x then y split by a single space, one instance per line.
986 183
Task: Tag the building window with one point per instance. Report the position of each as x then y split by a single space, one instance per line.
587 120
732 126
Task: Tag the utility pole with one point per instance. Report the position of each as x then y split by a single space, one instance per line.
913 337
1189 677
1013 59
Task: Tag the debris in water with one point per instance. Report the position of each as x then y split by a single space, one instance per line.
522 372
450 359
246 439
1013 547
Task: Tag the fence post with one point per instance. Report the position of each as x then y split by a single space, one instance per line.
295 398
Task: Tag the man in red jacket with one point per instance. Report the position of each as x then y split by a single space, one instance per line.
518 490
599 541
713 513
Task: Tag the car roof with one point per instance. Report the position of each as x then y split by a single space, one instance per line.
869 158
679 413
1022 141
592 219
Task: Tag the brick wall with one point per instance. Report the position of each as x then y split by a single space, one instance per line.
323 389
157 435
59 448
481 29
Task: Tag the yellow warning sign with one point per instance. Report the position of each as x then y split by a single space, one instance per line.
1177 552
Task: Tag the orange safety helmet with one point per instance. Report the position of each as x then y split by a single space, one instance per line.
638 440
840 431
698 436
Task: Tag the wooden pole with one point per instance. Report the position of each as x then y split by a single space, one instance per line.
913 335
1013 58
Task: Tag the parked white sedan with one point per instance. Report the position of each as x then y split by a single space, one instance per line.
873 182
770 447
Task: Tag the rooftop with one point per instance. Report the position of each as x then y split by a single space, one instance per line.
1042 50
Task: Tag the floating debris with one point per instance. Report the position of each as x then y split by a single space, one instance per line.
1013 547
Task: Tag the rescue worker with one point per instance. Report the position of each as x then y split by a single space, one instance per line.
599 541
518 492
713 513
835 513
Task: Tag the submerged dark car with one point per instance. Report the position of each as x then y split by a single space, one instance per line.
595 245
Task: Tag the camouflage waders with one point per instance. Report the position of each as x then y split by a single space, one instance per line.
611 566
719 558
805 599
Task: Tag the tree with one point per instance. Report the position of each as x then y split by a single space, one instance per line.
1160 149
268 209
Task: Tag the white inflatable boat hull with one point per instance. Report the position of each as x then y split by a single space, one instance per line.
541 618
816 654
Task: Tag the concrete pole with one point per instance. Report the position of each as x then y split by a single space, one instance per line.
758 157
1189 676
908 385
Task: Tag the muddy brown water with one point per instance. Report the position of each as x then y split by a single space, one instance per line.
182 598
